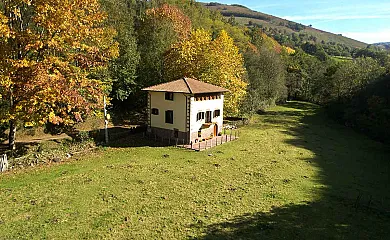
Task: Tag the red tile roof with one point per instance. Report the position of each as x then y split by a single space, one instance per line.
186 85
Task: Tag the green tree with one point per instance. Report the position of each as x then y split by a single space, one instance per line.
266 78
158 31
304 72
122 70
265 70
354 76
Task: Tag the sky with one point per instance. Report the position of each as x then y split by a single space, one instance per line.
366 21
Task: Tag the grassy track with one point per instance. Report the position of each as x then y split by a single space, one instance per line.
293 174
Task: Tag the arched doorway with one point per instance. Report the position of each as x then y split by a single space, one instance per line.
215 130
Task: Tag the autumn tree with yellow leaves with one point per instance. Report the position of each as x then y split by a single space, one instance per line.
49 48
216 61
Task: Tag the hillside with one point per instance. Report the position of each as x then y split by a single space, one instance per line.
280 28
385 45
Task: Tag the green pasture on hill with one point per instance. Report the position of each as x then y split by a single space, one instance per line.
293 174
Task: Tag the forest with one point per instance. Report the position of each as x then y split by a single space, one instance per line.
60 58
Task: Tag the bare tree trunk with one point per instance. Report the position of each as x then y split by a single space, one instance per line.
12 135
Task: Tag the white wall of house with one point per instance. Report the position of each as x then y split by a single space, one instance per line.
178 106
203 106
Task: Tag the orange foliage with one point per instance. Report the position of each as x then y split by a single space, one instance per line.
49 49
181 23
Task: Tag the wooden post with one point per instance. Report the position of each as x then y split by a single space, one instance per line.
199 146
105 119
226 138
177 141
191 144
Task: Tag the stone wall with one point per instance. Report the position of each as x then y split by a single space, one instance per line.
167 133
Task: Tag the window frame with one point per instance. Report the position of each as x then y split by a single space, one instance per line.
215 113
169 116
200 116
208 116
169 96
155 111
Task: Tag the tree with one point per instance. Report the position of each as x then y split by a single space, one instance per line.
304 72
260 39
382 56
266 71
216 61
315 50
49 51
354 76
159 30
266 75
122 70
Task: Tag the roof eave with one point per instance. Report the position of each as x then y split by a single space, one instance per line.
212 92
152 90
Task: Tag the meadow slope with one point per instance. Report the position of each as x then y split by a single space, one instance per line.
293 174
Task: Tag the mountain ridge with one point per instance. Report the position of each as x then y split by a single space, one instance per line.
279 28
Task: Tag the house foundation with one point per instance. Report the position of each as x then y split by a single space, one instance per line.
174 134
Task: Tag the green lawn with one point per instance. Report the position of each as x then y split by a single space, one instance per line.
293 174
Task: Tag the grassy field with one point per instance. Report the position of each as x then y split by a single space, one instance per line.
293 174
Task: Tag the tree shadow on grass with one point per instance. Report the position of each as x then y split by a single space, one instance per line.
124 137
119 137
137 140
317 220
354 170
22 149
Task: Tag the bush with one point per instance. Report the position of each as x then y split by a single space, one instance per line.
82 136
367 111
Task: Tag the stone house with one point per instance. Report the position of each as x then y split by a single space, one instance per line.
186 109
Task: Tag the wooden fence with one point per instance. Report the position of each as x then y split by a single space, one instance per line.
227 136
213 142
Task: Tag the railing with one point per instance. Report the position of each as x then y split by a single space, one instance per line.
215 141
